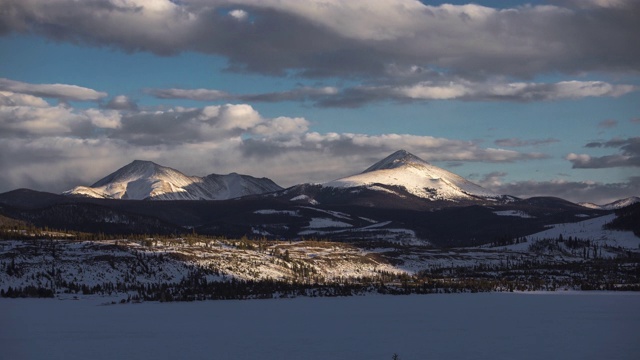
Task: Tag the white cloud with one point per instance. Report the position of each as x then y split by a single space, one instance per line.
238 117
109 119
239 14
58 91
8 98
77 146
578 158
430 91
579 89
37 121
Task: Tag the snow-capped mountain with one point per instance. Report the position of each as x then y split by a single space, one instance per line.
618 204
417 177
141 180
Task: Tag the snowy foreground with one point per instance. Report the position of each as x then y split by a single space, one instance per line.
561 325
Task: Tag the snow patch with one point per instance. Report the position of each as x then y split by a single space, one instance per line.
321 223
517 213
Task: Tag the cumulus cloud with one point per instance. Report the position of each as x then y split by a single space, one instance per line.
351 38
121 102
8 98
104 119
62 92
629 155
239 14
55 147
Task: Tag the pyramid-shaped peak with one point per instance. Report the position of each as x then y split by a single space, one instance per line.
395 160
142 162
137 169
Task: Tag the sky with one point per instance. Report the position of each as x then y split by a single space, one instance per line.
527 98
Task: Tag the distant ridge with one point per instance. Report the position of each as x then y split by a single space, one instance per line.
146 180
618 204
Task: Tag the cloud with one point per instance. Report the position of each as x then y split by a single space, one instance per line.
635 120
586 4
38 121
629 156
302 93
576 191
458 89
515 142
56 147
61 92
104 119
512 91
492 180
330 38
608 124
190 94
121 102
8 98
239 14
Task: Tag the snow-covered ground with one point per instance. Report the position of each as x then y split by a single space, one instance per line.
590 230
462 326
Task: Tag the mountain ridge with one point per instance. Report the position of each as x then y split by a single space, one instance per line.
618 204
146 180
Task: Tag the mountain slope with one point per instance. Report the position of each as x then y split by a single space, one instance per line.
142 180
417 177
618 204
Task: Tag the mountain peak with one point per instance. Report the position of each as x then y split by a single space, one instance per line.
395 160
143 179
137 169
142 162
417 177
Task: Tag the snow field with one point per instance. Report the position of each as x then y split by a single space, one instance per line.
568 326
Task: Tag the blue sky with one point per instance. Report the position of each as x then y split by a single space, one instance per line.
525 98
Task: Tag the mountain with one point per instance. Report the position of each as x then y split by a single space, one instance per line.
618 204
416 176
141 180
401 180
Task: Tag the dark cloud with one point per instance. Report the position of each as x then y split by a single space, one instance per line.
596 192
629 155
451 89
347 39
190 94
515 142
303 93
460 89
